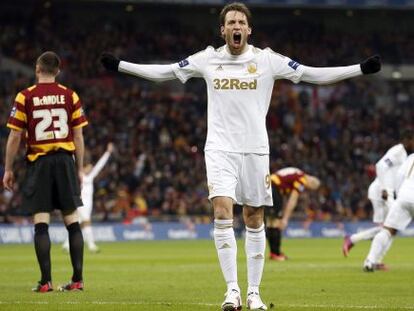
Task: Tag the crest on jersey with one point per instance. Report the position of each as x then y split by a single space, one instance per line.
252 68
183 63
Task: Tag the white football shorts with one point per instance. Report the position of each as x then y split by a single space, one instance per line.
244 177
380 211
400 215
85 213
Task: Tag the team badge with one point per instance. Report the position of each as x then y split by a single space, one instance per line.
252 68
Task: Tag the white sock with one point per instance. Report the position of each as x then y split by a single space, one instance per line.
65 244
255 250
88 236
365 235
379 246
387 247
226 246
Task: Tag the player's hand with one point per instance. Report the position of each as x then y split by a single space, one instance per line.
384 195
371 65
109 61
8 180
284 223
110 147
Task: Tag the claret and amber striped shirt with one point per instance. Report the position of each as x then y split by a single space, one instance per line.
48 112
289 179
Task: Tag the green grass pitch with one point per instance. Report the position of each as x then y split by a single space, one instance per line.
184 275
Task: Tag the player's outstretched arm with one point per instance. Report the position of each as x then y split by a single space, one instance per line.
328 75
157 73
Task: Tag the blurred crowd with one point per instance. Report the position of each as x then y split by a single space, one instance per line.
334 132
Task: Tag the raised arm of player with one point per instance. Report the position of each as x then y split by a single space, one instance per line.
328 75
102 161
157 73
290 206
13 143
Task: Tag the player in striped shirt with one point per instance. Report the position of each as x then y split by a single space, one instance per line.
51 117
288 183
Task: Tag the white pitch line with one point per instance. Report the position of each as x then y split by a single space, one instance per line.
310 306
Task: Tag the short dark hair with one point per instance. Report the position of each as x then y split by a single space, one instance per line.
49 62
235 6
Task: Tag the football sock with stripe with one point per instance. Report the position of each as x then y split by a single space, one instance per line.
255 246
225 242
365 235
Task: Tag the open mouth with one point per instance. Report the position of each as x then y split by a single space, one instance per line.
237 38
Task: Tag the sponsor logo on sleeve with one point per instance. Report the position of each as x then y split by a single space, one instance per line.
294 65
183 63
388 162
13 112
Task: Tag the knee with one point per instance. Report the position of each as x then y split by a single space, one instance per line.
392 231
223 209
254 221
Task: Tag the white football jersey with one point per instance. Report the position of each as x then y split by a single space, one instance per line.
406 180
239 89
87 182
387 168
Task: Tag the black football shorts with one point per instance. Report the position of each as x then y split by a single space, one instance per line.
51 183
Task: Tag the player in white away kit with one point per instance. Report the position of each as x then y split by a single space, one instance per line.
85 211
398 218
381 191
240 79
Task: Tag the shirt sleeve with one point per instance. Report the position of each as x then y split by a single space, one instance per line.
283 67
78 116
156 73
328 75
99 165
192 67
18 119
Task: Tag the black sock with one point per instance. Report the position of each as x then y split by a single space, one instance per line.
274 236
76 250
42 247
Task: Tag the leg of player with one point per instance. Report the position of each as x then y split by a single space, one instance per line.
42 247
274 237
350 241
380 209
85 214
255 246
65 245
380 244
226 246
88 236
76 251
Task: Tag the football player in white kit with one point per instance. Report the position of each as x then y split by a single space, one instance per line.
398 218
240 79
381 191
85 211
